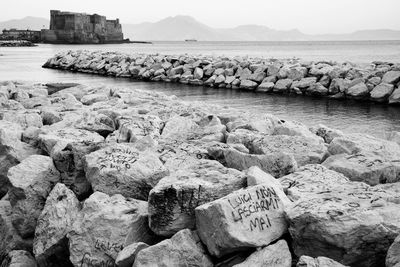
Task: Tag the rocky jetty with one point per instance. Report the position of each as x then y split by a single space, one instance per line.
15 43
377 82
106 176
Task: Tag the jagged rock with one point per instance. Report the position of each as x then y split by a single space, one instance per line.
126 257
10 239
50 245
54 140
198 73
282 85
256 176
395 97
246 218
292 128
317 89
394 137
304 83
393 255
22 117
31 181
94 98
357 91
265 87
327 133
183 249
123 169
248 84
95 122
31 136
391 77
183 128
134 128
99 232
276 255
304 150
173 200
306 261
325 218
277 164
19 258
381 92
365 167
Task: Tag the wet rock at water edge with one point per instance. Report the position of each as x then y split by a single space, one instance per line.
246 218
173 200
100 231
325 218
306 261
126 257
183 249
123 169
275 255
50 245
19 258
31 182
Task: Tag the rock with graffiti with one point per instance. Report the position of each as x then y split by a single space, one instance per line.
101 176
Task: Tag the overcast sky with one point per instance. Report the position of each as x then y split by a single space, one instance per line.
309 16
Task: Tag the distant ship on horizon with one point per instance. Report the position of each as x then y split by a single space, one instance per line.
190 40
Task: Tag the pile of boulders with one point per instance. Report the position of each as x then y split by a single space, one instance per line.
105 176
378 82
15 43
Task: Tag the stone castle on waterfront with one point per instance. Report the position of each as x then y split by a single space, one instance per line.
81 28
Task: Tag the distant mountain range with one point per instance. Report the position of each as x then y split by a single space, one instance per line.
179 28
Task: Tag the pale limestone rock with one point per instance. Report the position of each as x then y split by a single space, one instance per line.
134 128
94 98
277 164
276 255
304 150
357 91
282 85
123 169
25 118
31 182
11 240
265 87
99 232
395 97
173 200
326 133
391 77
306 261
248 84
126 257
246 218
61 209
381 92
183 249
256 176
19 258
349 222
393 254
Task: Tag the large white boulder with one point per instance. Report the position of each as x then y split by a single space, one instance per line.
246 218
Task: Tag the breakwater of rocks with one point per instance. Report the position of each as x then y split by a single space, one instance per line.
378 82
15 43
105 176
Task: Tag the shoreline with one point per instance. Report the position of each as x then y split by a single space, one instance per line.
377 83
130 167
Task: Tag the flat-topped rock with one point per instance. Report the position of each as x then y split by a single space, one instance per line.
325 218
173 200
50 245
183 249
275 255
126 257
99 232
123 169
246 218
304 150
306 261
31 182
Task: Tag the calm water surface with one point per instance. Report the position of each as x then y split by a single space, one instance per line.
24 63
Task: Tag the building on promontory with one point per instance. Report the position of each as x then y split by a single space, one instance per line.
81 28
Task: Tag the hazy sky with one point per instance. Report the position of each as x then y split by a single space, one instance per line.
309 16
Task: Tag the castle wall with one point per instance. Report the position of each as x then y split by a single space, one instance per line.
67 27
